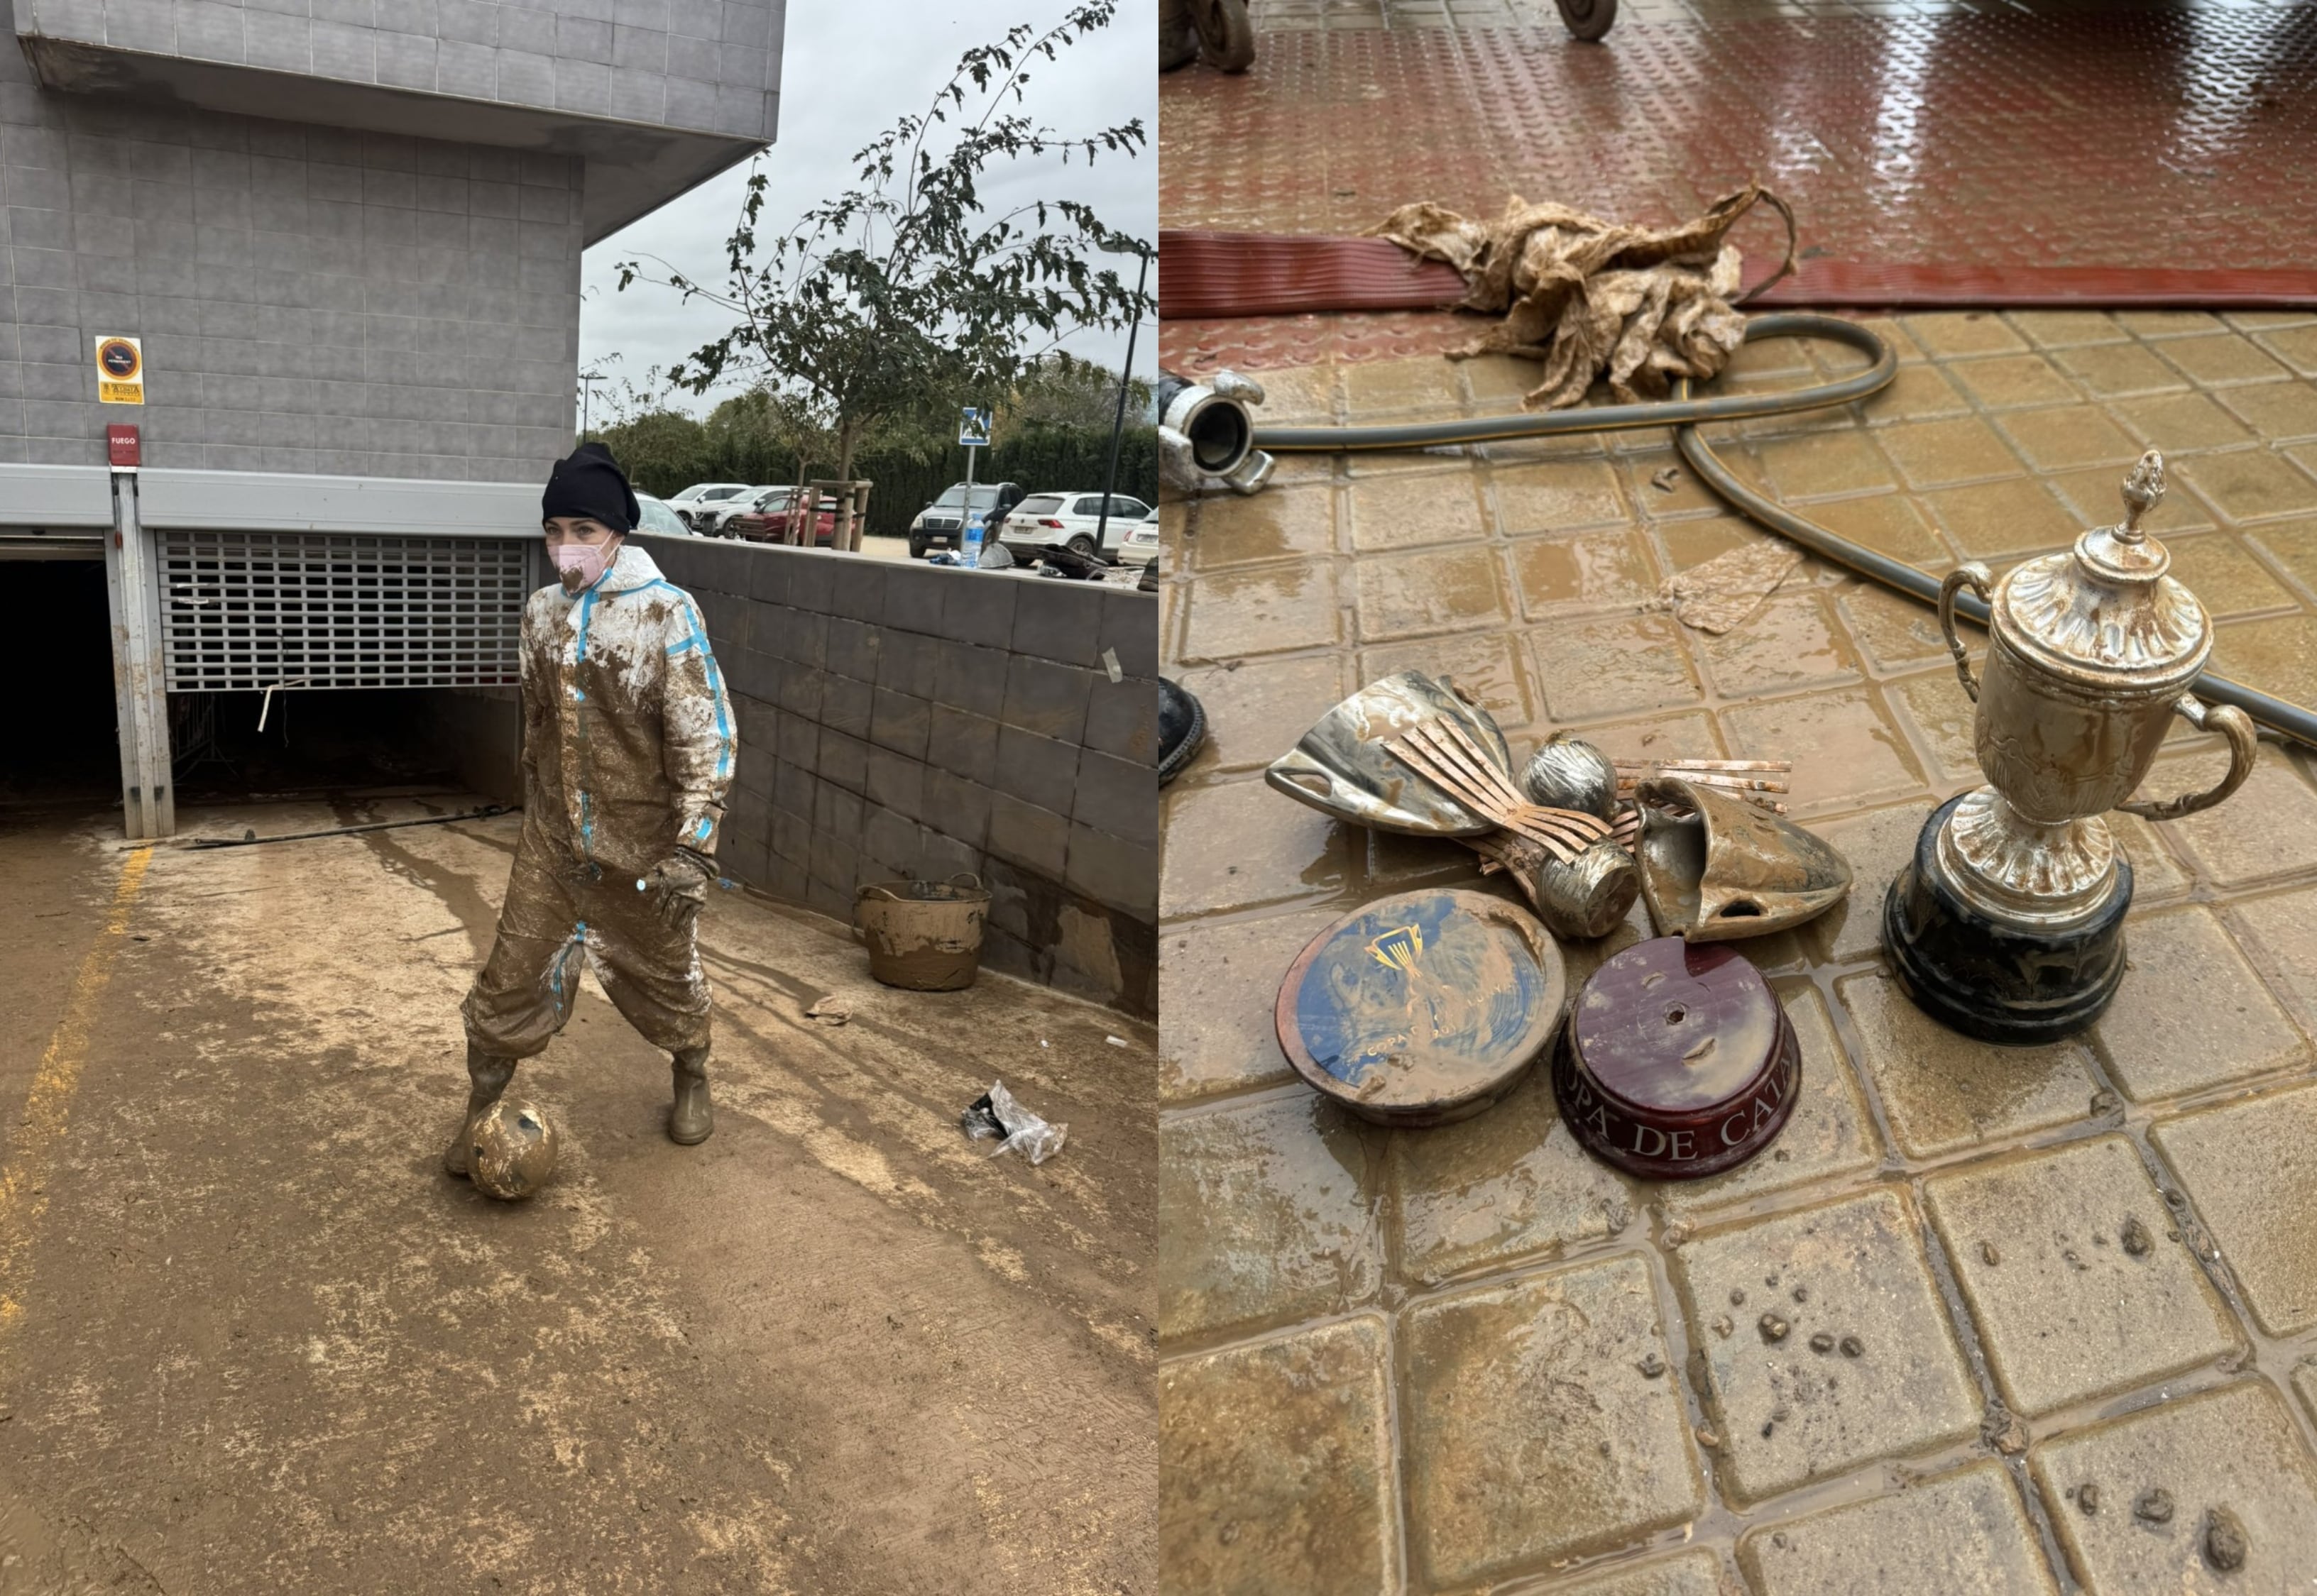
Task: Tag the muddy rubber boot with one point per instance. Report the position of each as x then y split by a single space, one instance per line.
487 1077
691 1118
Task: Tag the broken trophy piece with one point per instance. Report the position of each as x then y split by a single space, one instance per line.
1759 780
1422 1008
1343 765
1678 1062
1406 754
1566 773
1716 867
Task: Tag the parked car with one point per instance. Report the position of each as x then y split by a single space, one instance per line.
943 523
1073 519
1141 540
716 520
768 523
1141 548
653 516
701 496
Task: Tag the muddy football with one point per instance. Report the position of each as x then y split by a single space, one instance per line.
514 1151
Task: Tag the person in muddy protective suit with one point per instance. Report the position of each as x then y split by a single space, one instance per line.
628 749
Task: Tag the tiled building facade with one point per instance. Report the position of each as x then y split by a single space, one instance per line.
348 232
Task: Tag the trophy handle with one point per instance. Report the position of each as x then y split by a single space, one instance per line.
2232 723
1978 579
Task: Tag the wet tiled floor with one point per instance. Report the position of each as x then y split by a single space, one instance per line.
2001 135
1422 1360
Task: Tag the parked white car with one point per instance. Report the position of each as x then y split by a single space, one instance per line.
700 496
653 515
1142 539
1071 518
715 521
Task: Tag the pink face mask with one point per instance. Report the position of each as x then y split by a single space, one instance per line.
580 565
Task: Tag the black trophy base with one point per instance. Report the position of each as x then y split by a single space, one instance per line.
1990 979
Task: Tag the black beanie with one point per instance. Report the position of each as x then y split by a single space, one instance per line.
590 483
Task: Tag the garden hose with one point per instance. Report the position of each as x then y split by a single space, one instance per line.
1683 412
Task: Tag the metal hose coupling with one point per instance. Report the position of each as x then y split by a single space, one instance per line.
1206 432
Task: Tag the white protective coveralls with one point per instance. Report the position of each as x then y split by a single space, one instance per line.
628 750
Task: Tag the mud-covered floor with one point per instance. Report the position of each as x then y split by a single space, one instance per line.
1486 1361
252 1338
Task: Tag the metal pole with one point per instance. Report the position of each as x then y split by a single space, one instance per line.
148 798
965 513
1118 423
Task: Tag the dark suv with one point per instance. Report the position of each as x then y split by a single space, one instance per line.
943 521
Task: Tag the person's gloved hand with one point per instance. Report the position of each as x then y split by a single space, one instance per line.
682 880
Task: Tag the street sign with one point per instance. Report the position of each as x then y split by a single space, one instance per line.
120 370
973 427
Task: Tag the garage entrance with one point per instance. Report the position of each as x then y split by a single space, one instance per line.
226 634
64 746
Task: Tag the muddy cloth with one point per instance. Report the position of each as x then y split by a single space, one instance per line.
628 748
1723 594
1596 299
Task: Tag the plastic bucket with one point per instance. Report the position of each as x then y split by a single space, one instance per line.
923 935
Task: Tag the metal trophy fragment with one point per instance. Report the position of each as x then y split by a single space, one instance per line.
1676 1061
2008 925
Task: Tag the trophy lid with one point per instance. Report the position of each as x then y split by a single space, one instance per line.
2106 612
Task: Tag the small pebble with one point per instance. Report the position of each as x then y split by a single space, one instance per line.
2011 1439
1821 1342
1852 1347
2088 1499
1988 1254
2136 1239
1737 1297
1802 1294
1708 1439
2225 1540
1722 1328
2155 1506
1651 1366
1773 1328
1228 1533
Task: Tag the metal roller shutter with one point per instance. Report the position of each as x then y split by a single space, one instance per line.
255 610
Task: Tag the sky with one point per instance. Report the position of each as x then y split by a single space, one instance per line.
850 68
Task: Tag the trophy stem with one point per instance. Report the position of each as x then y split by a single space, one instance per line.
2044 874
1992 973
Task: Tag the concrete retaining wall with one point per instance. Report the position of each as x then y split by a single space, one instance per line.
912 720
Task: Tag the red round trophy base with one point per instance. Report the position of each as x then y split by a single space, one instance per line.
1677 1061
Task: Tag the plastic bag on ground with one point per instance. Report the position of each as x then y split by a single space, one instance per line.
995 1116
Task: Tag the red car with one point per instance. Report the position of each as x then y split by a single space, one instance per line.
771 524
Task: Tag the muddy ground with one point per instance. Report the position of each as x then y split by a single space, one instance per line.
252 1338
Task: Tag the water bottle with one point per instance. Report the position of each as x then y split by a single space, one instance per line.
972 538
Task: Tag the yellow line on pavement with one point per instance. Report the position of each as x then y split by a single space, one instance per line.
22 1194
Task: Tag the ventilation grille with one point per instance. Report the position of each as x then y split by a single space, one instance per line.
253 609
